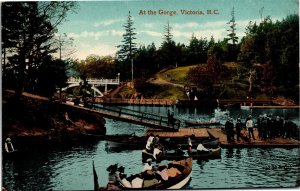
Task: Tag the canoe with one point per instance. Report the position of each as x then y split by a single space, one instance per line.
199 124
136 143
212 154
173 143
182 175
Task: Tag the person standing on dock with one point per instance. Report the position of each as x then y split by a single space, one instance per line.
249 126
169 117
229 129
238 128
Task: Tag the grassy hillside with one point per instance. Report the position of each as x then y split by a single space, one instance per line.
176 75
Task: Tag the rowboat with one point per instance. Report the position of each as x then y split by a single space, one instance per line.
173 155
181 174
173 143
201 124
136 142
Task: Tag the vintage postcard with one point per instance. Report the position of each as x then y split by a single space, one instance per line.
150 95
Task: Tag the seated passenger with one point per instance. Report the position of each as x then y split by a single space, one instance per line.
150 142
113 178
148 165
202 149
179 151
162 171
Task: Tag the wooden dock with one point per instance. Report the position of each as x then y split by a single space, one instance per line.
218 133
269 143
183 132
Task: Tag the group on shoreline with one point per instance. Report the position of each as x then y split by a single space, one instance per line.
267 126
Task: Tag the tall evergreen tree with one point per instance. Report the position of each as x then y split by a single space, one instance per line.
167 50
232 25
168 36
128 48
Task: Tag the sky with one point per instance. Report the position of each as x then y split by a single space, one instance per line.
97 26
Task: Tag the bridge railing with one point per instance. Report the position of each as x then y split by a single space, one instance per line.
95 81
140 116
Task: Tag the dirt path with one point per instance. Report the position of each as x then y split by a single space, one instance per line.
160 81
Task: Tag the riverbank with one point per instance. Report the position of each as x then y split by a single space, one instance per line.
37 118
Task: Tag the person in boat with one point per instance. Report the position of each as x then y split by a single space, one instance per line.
238 128
201 149
249 126
149 144
114 180
213 120
148 165
162 172
9 146
189 145
179 151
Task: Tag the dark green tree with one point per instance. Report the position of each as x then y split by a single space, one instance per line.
29 28
167 52
127 50
232 25
197 50
231 48
46 84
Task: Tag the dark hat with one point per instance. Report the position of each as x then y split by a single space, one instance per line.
113 167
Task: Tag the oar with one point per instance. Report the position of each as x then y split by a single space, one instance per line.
96 184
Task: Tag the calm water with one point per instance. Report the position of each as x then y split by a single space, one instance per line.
69 167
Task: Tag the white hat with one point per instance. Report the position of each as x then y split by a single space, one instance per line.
8 140
149 160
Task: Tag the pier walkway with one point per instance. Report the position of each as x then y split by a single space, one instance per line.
182 132
243 143
132 116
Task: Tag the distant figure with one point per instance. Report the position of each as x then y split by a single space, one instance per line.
169 117
9 146
229 129
249 126
148 165
238 128
172 119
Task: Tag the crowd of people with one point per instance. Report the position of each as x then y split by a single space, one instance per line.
267 126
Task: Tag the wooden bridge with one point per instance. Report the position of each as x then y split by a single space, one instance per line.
122 101
132 116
